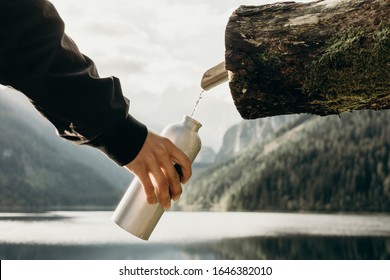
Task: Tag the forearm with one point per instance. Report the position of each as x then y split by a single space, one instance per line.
37 58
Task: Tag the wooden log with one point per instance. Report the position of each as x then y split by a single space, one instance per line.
323 57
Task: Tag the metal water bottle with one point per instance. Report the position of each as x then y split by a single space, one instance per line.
133 213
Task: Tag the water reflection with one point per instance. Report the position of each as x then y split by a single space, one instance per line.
197 235
32 218
271 248
100 252
304 248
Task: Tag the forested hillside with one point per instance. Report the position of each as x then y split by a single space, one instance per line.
36 175
313 164
293 163
260 131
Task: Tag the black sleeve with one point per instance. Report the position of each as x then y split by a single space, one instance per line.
40 60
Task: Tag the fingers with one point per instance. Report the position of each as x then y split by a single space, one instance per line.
163 182
184 162
167 178
148 186
154 166
175 188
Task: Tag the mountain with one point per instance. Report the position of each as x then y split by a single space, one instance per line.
39 170
309 163
206 156
285 163
26 113
250 132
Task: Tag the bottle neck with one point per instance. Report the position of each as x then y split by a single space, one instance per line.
192 123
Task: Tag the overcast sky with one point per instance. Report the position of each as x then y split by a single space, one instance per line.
159 50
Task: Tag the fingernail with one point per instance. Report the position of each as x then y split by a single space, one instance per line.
176 198
167 206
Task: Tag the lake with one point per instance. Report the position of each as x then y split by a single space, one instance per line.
196 235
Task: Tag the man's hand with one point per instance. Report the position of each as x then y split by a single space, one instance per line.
154 168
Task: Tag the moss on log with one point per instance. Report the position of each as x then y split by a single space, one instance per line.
324 57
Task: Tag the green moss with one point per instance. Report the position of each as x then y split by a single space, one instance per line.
271 65
354 69
268 73
271 61
259 73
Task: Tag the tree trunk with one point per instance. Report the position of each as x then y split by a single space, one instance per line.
323 57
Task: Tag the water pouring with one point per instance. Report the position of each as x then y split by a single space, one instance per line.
134 214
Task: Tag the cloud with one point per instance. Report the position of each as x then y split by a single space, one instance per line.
159 50
174 40
216 111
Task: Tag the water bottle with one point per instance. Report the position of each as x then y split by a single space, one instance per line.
133 213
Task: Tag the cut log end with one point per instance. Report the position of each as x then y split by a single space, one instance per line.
323 58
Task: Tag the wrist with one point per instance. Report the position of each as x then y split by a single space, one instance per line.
123 142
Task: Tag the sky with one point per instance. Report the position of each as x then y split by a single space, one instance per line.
159 50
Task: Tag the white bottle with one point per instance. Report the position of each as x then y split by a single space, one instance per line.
133 213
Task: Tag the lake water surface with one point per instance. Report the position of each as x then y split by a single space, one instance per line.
197 235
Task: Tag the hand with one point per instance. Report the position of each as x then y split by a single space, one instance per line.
154 168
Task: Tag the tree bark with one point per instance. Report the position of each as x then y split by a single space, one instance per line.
323 57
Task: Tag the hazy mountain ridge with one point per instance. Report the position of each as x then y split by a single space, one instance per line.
298 162
39 171
35 164
313 163
91 157
252 132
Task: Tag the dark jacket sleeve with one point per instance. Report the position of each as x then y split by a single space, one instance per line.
40 60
